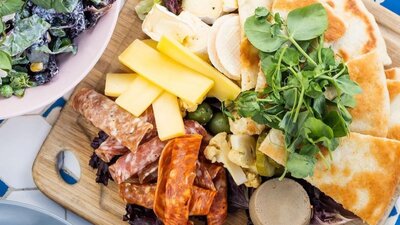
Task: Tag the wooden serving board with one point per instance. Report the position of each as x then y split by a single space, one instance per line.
102 205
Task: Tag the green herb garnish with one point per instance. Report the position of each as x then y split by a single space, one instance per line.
309 88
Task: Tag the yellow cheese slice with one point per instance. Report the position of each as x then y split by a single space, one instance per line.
139 96
150 42
224 89
116 83
168 117
166 73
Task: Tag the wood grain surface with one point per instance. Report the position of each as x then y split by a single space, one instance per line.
102 205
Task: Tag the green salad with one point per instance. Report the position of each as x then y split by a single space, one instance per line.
34 32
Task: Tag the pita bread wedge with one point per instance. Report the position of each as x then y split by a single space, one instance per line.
394 92
336 27
362 34
362 167
393 74
372 112
248 54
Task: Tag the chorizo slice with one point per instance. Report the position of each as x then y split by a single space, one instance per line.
176 174
138 194
219 208
201 201
133 163
144 194
106 115
109 148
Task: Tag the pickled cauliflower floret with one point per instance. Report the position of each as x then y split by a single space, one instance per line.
218 150
245 126
243 151
253 179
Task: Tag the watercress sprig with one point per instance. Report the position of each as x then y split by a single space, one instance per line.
309 88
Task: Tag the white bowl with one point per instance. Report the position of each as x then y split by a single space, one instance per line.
73 68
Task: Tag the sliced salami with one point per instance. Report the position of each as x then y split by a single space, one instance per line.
144 194
201 201
109 148
106 115
149 174
176 174
193 127
133 163
138 194
219 208
203 178
148 116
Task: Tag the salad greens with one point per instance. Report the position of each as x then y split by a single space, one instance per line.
34 32
61 6
144 6
309 89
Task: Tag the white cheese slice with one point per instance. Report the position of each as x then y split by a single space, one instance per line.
206 10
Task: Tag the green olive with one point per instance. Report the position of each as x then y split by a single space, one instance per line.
203 114
218 124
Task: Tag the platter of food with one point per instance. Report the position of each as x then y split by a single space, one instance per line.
260 112
48 48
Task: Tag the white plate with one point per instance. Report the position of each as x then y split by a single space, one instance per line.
91 45
15 213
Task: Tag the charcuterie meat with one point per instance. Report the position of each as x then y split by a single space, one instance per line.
133 163
219 209
109 117
109 148
144 194
201 201
149 174
176 174
203 178
193 127
148 116
138 194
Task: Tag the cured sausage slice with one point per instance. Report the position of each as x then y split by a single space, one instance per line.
149 174
201 201
219 209
133 163
109 148
138 194
143 195
106 115
203 178
176 174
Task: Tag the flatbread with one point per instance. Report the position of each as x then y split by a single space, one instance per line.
394 92
336 25
363 176
393 73
362 34
249 59
372 112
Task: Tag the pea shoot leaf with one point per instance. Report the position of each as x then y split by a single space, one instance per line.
300 166
258 31
308 22
337 123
